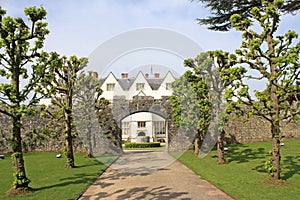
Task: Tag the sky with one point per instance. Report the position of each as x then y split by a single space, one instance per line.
78 27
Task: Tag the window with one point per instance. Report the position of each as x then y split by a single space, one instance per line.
125 128
140 86
168 86
140 134
159 127
141 124
110 87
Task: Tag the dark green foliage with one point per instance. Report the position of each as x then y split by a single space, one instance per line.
142 145
222 10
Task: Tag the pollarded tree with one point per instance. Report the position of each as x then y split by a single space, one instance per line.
191 106
275 61
204 68
25 70
222 10
65 82
86 99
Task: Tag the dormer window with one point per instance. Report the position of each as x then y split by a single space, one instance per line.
140 86
110 87
168 86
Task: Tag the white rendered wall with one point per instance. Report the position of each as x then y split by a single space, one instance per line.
142 116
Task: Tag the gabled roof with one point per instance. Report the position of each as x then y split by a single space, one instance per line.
102 80
141 93
126 83
155 82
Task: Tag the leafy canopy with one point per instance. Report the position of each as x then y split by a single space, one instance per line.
222 10
25 67
273 58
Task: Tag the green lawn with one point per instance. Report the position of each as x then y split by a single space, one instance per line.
244 177
50 178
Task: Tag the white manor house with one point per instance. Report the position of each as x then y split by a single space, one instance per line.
143 84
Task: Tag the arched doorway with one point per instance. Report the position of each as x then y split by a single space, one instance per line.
143 124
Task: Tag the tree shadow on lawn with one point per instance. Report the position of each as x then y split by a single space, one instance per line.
242 154
88 165
290 166
82 178
92 163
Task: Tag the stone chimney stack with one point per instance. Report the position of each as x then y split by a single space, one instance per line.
147 75
156 75
124 75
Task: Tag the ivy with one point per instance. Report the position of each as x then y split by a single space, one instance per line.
269 167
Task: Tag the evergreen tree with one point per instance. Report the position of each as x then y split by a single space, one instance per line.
221 11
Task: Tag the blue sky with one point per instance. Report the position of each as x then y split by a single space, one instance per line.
79 26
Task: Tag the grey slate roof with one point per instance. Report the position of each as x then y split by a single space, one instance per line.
126 83
155 83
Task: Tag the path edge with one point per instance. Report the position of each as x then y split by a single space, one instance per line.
108 166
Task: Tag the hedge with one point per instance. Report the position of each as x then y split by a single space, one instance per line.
142 145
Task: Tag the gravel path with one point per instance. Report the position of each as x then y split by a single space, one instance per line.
151 175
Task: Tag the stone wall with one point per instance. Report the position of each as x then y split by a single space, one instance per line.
237 130
41 134
240 130
38 135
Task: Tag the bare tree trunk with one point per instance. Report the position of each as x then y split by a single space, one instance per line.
220 148
21 181
69 149
197 145
276 151
89 142
69 138
275 126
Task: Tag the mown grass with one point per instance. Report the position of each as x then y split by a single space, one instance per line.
49 177
244 177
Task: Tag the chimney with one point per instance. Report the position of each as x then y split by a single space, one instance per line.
156 75
95 74
124 75
147 75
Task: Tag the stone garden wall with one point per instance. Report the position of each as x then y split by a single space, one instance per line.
37 134
257 129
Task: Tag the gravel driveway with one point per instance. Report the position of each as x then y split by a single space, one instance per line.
150 175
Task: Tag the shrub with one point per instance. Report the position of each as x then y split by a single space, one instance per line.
142 145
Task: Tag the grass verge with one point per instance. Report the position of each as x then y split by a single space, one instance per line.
49 177
244 177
